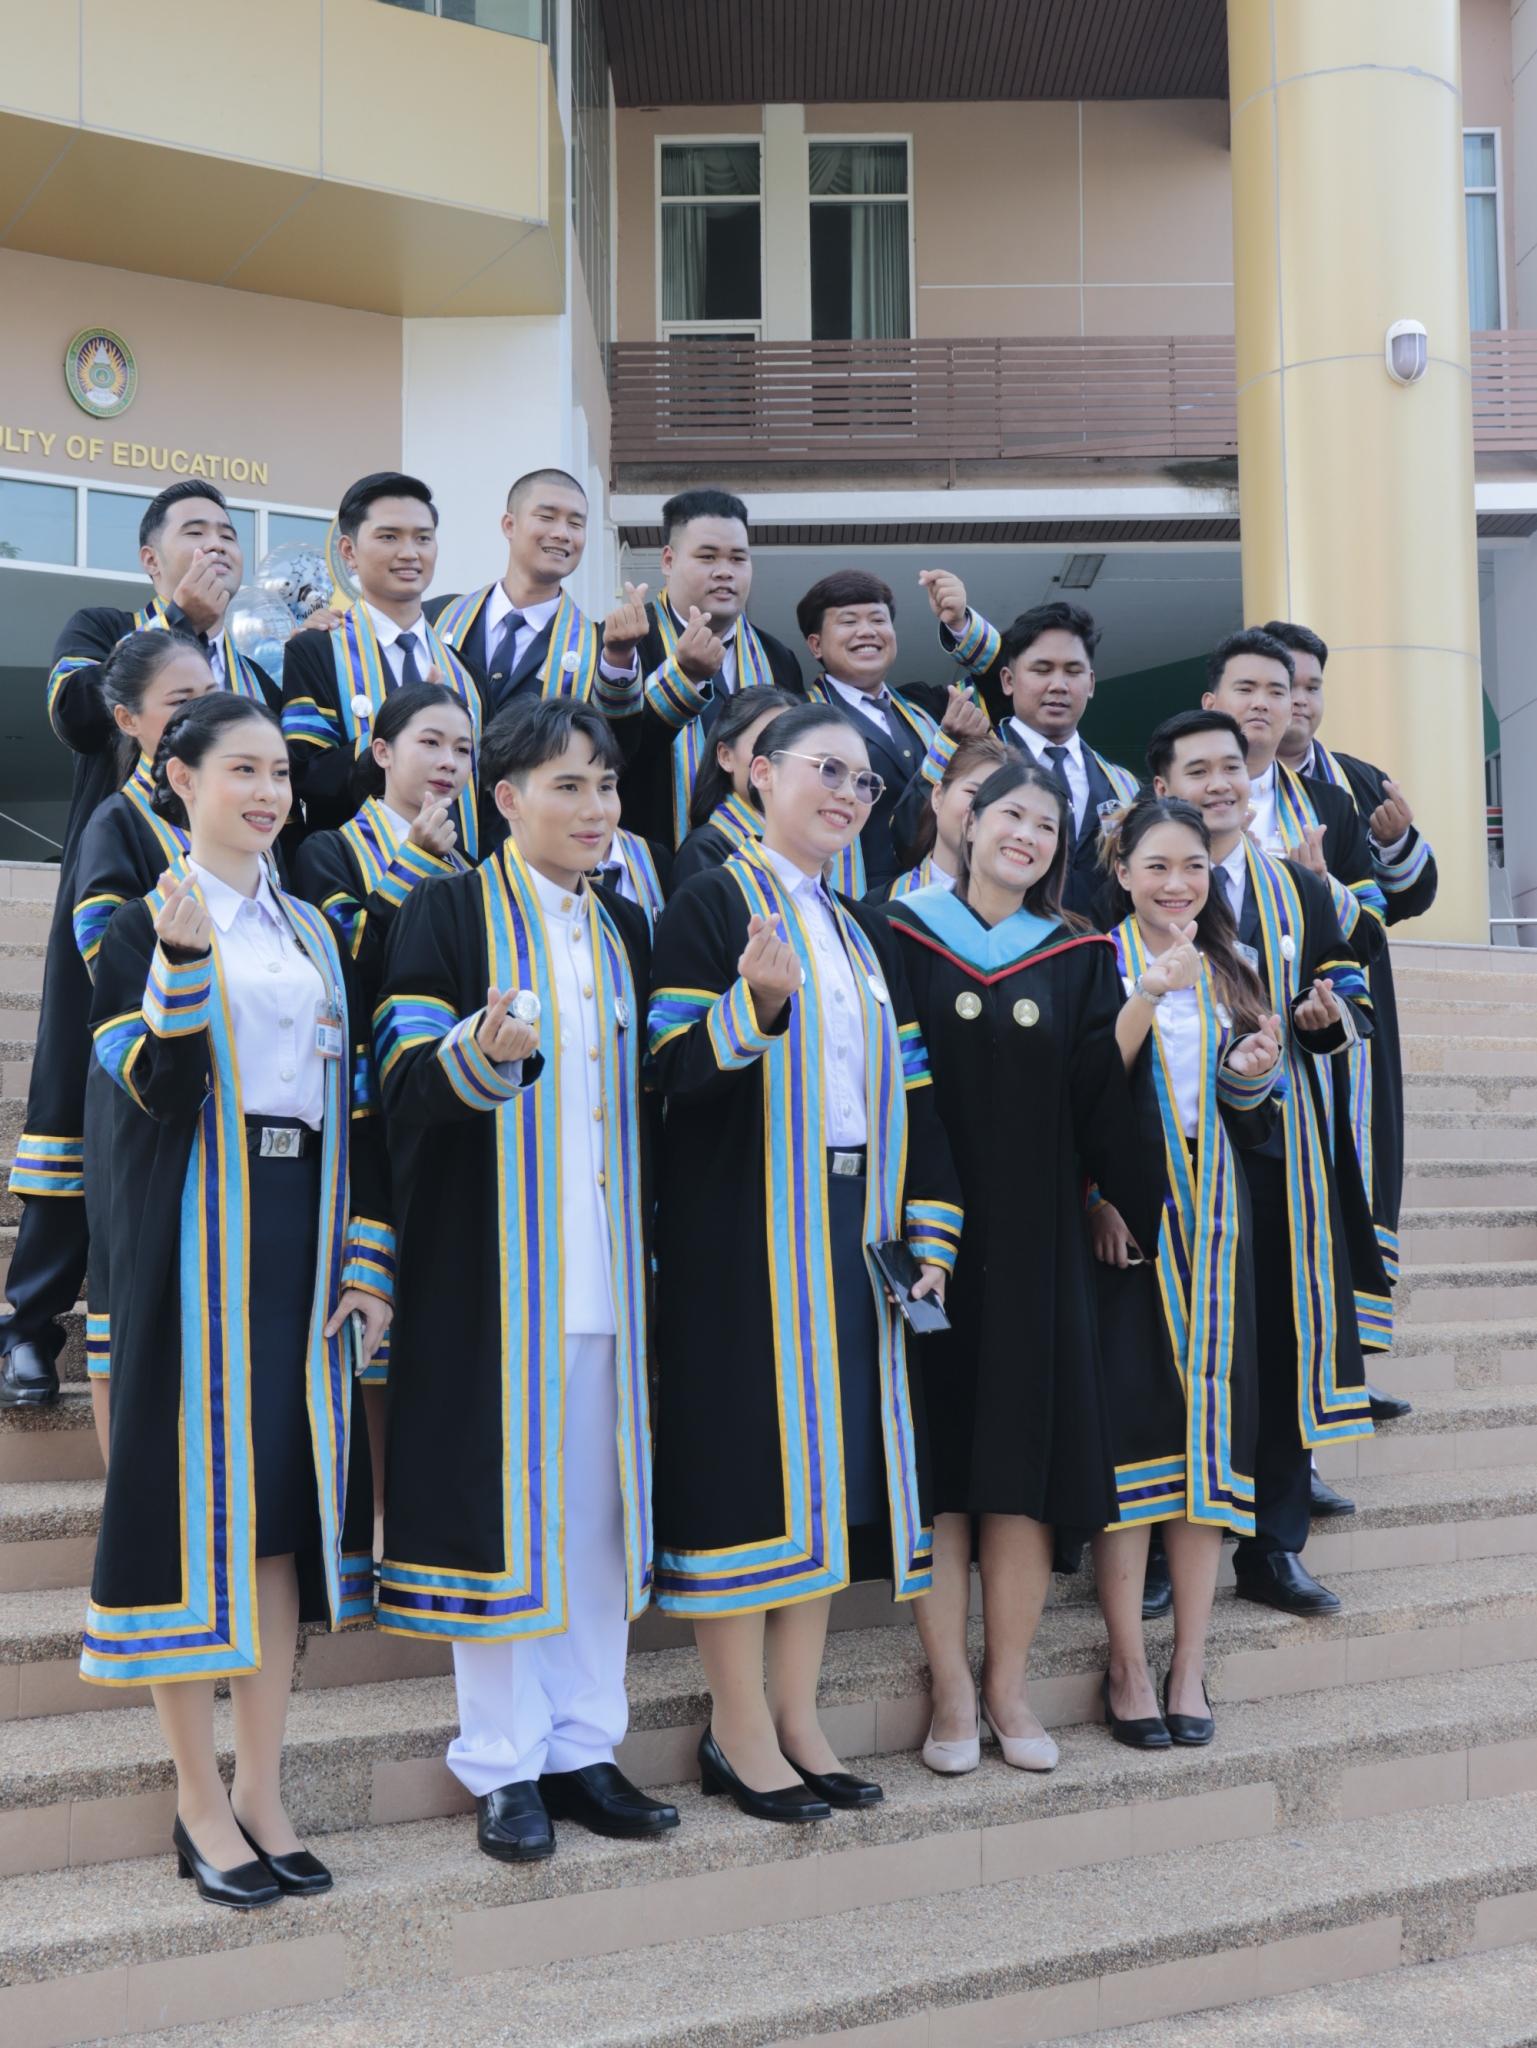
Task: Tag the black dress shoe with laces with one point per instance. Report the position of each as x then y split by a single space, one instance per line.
27 1377
601 1798
1388 1407
1157 1587
1325 1501
1280 1579
513 1825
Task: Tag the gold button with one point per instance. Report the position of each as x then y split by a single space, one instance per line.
1026 1012
587 991
602 1180
968 1005
592 1052
568 902
597 1115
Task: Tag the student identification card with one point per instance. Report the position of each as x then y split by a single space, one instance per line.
328 1031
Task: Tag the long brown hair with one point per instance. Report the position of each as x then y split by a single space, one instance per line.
1234 982
1044 896
985 751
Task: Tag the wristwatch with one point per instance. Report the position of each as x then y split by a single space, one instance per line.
526 1007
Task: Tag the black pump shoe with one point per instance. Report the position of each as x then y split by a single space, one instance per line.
513 1824
840 1788
1151 1732
792 1803
1190 1731
247 1885
601 1798
299 1874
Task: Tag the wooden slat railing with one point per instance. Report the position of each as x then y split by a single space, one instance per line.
1159 397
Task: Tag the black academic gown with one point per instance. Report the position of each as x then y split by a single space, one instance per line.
751 1507
1032 1092
731 824
910 753
671 703
173 1592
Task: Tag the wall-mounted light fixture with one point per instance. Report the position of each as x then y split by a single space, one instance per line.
1407 351
1080 572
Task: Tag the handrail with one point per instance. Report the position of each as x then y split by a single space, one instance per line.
7 819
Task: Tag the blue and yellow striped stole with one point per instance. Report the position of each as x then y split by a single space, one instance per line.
1197 1275
239 676
632 850
847 872
389 865
92 914
572 664
680 700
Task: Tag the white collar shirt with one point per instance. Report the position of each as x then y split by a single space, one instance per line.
275 993
1266 825
874 706
390 635
1074 769
844 1117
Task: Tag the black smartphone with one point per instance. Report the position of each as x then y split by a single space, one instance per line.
897 1266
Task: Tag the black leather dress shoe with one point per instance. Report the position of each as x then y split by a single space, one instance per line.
247 1885
27 1377
601 1797
299 1874
1189 1731
1151 1732
840 1788
1157 1587
512 1824
1280 1579
1326 1501
792 1803
1388 1407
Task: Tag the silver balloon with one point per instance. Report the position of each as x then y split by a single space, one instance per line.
260 626
298 576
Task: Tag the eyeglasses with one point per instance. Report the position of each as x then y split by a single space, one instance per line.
838 776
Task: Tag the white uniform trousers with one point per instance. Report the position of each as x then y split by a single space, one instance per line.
557 1702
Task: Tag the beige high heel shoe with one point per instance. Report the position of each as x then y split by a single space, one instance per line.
954 1759
1024 1752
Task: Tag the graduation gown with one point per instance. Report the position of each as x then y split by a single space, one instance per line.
1408 885
474 1509
1019 1019
174 1590
648 868
333 685
733 823
920 877
1289 924
124 850
1111 789
562 660
678 716
751 1499
912 761
1178 1333
49 1152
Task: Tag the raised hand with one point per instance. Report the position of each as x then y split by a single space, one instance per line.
432 829
1179 967
181 920
1393 818
1310 854
1258 1051
1318 1009
626 626
203 593
770 968
501 1036
964 717
700 653
947 596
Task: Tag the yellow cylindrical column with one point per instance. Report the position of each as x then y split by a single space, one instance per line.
1356 493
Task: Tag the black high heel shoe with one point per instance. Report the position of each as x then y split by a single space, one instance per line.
1151 1732
792 1803
1190 1731
840 1788
247 1885
299 1874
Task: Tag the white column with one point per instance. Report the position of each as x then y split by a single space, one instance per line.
1515 699
786 225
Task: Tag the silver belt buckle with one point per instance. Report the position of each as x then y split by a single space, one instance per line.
848 1165
278 1143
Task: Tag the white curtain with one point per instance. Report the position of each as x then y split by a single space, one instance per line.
879 300
699 172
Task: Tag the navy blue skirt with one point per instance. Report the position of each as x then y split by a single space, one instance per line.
864 1453
285 1225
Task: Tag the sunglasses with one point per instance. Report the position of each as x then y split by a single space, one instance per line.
838 776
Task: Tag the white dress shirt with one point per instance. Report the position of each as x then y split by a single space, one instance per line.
535 618
874 706
1266 826
844 1121
389 635
586 1254
939 877
275 993
1236 868
1177 1020
1074 769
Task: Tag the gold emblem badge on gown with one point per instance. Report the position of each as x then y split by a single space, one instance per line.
1026 1012
968 1005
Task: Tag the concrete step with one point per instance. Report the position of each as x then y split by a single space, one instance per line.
1415 955
1464 1090
1469 1134
1466 1290
1430 1357
1484 2000
1450 1182
1462 1430
1440 1236
976 1944
21 968
57 1442
1509 1017
1464 1053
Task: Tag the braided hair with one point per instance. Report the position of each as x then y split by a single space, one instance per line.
189 736
127 673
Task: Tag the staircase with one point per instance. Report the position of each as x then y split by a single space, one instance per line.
1370 1802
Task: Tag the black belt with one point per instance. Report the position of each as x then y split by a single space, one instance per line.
846 1162
279 1137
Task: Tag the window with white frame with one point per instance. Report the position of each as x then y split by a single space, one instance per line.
861 240
710 238
1481 190
49 523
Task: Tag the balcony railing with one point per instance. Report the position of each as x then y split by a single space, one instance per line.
1160 398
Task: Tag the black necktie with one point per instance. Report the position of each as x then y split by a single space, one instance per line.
1057 756
409 672
875 710
1225 883
503 658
